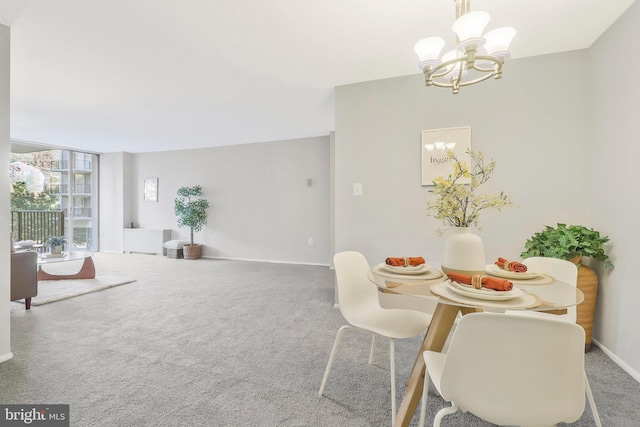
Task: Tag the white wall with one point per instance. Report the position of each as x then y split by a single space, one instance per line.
112 201
260 205
614 185
533 122
5 288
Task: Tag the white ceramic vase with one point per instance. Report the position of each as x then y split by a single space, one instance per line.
463 252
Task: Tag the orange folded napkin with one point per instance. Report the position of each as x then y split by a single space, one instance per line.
481 281
405 262
511 265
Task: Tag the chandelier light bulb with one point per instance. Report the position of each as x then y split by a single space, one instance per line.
470 26
428 51
452 69
498 41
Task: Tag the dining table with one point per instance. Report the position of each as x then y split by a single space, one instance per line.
428 289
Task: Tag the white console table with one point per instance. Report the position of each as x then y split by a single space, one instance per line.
148 240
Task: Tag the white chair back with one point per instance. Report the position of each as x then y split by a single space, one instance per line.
516 370
560 269
355 293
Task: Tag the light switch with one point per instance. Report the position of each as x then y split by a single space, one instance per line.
357 189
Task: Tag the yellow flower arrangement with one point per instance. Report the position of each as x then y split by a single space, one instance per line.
455 203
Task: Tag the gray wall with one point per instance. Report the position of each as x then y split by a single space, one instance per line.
261 207
613 182
5 288
533 123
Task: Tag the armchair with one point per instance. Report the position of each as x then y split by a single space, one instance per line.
24 276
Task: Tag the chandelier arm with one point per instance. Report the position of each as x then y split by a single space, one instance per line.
492 59
461 84
443 68
478 80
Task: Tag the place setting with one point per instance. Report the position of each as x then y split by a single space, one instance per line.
492 291
411 270
517 272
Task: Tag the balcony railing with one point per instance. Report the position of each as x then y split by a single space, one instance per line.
64 188
82 188
78 165
81 212
58 188
37 225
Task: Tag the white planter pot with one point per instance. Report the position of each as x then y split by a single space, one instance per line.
56 250
463 252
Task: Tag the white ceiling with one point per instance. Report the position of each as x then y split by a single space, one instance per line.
151 75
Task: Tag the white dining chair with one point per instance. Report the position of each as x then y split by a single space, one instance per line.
359 306
564 271
510 370
560 269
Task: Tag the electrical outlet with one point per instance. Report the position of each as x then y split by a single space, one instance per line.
310 241
357 189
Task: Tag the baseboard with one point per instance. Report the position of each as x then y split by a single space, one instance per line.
5 357
628 369
265 260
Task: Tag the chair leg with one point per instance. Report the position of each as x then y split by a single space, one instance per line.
592 402
425 391
445 411
333 354
392 365
27 303
373 344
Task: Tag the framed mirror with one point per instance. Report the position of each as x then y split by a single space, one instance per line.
151 189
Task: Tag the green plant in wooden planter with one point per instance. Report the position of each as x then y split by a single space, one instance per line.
191 210
568 243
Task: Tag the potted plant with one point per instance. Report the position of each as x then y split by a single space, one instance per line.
458 206
572 243
55 244
190 208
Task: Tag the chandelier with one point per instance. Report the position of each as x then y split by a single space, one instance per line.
476 58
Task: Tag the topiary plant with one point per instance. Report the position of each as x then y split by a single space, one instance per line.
568 242
191 209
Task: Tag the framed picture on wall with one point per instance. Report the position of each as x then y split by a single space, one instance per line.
151 189
434 146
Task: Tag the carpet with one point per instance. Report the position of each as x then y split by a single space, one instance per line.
57 290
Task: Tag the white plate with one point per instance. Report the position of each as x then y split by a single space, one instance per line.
485 294
412 269
494 270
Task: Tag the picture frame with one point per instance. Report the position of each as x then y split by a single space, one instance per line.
150 190
434 145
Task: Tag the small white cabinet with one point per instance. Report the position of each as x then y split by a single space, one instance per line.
148 240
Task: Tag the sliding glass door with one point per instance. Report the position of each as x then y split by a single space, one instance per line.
57 180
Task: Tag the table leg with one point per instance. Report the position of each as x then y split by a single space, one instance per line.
439 329
88 271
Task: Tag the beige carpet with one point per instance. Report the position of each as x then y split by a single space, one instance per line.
56 290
